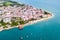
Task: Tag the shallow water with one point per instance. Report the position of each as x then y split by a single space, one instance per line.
45 30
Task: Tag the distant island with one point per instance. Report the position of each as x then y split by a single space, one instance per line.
14 14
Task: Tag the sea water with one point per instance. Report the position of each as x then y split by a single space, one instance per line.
44 30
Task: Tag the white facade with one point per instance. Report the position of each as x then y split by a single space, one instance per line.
7 19
0 12
0 15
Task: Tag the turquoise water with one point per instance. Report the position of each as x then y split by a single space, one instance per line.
45 30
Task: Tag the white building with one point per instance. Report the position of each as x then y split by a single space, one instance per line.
0 15
7 18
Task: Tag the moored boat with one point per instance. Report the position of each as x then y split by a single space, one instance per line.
20 27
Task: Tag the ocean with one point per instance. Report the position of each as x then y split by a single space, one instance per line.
44 30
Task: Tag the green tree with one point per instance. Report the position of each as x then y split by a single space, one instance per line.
7 3
14 23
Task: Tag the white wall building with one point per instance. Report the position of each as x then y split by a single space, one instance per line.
0 15
7 18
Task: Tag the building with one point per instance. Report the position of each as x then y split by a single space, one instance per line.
7 17
0 15
14 13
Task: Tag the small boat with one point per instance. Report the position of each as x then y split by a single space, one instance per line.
20 27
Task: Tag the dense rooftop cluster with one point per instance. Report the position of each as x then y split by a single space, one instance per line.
14 14
24 12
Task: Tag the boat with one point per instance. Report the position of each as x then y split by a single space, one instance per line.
20 27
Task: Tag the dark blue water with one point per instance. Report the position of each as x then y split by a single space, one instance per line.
45 30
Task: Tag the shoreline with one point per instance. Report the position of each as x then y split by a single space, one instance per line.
29 23
35 21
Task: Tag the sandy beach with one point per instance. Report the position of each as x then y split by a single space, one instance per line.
35 21
29 23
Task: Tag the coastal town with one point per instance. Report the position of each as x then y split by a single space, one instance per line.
18 16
